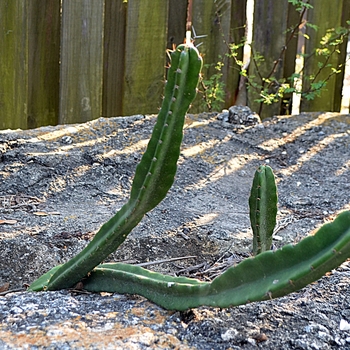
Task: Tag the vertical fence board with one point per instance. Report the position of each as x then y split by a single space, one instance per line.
203 21
146 37
290 55
213 20
339 79
326 15
13 64
113 66
177 17
237 33
81 61
43 66
270 22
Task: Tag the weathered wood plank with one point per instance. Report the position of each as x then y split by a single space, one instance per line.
44 57
177 17
212 19
326 15
13 64
146 38
290 54
270 24
237 33
339 79
81 61
114 48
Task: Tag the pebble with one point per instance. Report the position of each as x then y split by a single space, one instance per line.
229 334
344 325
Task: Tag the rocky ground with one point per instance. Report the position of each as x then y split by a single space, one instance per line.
59 184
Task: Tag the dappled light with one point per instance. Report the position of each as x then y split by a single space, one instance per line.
306 156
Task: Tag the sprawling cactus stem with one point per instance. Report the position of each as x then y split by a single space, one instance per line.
263 208
269 275
153 177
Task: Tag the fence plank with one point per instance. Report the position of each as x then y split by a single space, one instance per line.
326 15
290 55
13 64
114 48
270 21
44 56
146 37
177 17
212 19
237 33
339 79
81 61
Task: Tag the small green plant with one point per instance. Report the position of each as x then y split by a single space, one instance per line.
268 87
214 93
270 274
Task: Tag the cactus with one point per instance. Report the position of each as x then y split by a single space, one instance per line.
269 275
263 208
153 177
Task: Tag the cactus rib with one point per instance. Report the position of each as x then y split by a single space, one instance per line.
263 208
154 174
269 275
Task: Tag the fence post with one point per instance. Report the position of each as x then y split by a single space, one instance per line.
81 61
113 59
269 27
325 15
13 64
44 57
145 52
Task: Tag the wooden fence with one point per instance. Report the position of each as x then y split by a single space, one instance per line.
70 61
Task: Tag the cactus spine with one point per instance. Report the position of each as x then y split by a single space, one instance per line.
263 208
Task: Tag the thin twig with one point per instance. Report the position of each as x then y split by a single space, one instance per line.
165 260
189 16
12 291
191 269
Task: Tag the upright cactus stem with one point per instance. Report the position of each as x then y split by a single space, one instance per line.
263 208
153 177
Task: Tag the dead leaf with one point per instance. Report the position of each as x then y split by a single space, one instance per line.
44 213
40 213
8 222
4 287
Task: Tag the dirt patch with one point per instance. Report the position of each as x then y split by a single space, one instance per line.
59 184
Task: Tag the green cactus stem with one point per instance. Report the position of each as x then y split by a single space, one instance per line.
269 275
263 208
153 177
